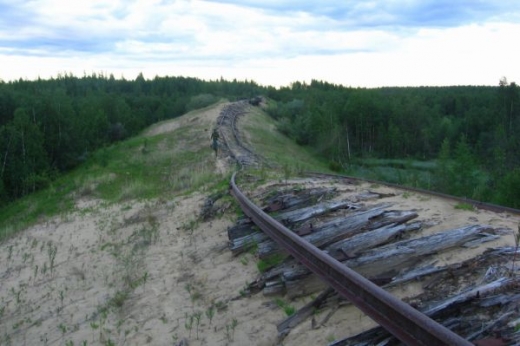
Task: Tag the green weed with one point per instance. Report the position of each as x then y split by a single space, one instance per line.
51 252
188 322
331 338
164 319
465 206
118 300
267 263
197 316
286 307
210 313
62 328
230 330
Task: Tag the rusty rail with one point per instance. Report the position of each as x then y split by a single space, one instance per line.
477 204
230 113
404 322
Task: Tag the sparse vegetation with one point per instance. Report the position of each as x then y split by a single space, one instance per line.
464 206
230 330
269 262
286 307
197 316
188 322
210 313
244 260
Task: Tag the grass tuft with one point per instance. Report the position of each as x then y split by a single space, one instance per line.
464 206
267 263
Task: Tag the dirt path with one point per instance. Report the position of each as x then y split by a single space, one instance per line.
209 120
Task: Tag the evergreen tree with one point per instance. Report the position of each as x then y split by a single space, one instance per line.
444 172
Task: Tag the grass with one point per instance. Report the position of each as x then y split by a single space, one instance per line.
464 206
266 263
277 148
118 300
30 209
286 307
401 163
174 163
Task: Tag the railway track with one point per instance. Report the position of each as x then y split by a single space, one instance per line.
400 319
477 204
404 322
232 143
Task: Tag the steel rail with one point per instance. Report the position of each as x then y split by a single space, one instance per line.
400 319
477 204
232 117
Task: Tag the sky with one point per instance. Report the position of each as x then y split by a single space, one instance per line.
272 42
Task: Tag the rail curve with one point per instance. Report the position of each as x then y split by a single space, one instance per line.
477 204
400 319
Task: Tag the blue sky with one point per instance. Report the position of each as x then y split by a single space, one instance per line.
354 43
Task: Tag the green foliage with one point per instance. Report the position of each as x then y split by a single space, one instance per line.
210 313
121 172
62 328
458 173
470 130
50 126
76 125
269 262
464 206
331 338
277 148
201 101
508 190
286 307
188 322
464 168
335 166
230 330
118 300
445 173
197 316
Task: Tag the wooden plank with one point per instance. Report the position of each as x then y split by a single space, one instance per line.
299 316
396 256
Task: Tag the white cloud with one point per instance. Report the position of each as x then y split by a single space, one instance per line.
358 44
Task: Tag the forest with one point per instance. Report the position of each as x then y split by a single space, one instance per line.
469 133
48 127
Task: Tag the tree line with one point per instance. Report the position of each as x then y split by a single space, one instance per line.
50 126
471 131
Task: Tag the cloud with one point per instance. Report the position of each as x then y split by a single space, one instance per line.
224 27
401 13
283 39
